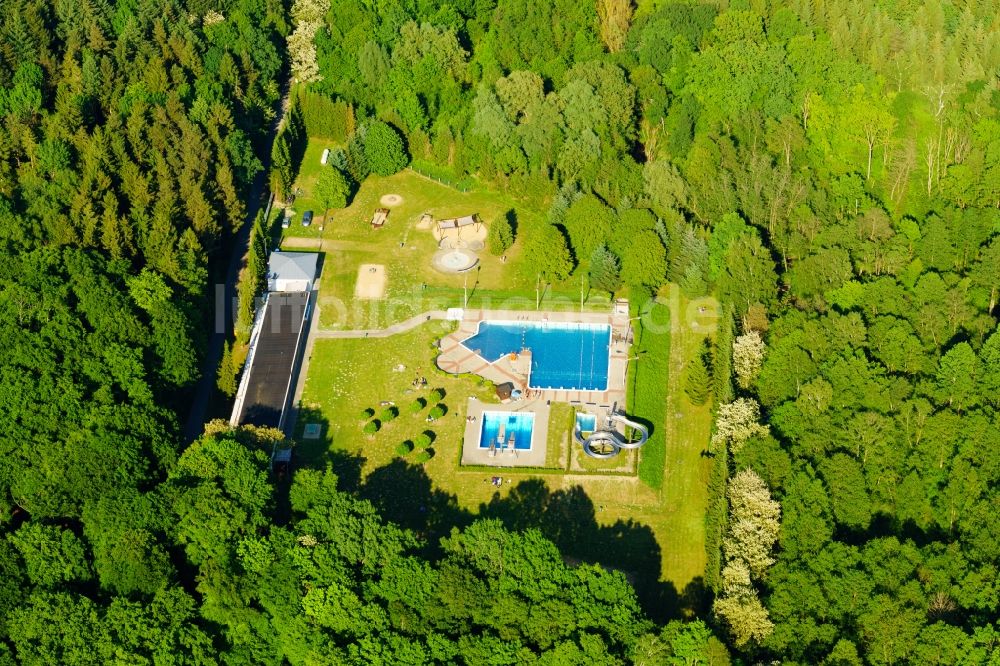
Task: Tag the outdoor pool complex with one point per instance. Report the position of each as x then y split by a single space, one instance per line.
498 427
563 355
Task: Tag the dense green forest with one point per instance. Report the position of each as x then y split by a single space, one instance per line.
830 171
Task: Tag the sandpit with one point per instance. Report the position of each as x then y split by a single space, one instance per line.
390 200
462 236
426 221
371 283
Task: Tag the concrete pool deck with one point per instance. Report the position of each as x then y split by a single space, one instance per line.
472 454
457 359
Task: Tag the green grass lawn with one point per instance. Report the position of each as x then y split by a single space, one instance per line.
559 438
648 376
306 180
348 376
414 286
686 469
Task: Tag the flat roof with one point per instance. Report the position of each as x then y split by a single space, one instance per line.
274 360
292 265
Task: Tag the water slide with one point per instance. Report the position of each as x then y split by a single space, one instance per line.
636 427
608 442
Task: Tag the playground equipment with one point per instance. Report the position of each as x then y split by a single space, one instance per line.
607 440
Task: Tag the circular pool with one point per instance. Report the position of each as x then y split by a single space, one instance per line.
454 261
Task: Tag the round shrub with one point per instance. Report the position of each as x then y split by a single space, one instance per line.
423 456
388 414
417 405
437 411
404 448
372 427
422 441
366 414
437 395
384 149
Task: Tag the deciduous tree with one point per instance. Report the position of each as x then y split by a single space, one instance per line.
384 149
736 422
332 188
748 357
615 17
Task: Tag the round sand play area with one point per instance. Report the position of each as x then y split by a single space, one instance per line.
372 281
390 200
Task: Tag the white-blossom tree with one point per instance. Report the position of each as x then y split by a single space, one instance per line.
754 521
748 357
308 16
745 615
736 422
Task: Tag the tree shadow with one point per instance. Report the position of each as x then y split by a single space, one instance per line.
569 519
511 216
319 453
404 494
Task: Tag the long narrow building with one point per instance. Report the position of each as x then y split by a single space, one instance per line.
277 341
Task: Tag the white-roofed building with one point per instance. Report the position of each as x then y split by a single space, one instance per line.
291 271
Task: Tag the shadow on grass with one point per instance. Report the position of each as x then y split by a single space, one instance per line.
404 494
320 453
568 518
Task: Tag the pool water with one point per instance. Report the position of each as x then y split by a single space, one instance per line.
563 355
499 426
586 422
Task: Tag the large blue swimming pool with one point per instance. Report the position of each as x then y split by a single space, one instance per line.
563 355
499 427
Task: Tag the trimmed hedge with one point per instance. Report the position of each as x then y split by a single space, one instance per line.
423 440
648 380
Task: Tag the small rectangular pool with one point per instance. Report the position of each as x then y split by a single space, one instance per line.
564 355
499 427
586 422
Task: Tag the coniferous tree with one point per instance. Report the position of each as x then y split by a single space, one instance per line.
226 377
501 234
281 167
697 380
384 149
605 270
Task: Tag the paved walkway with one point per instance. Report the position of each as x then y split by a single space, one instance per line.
400 327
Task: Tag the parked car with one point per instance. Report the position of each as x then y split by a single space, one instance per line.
286 220
307 218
